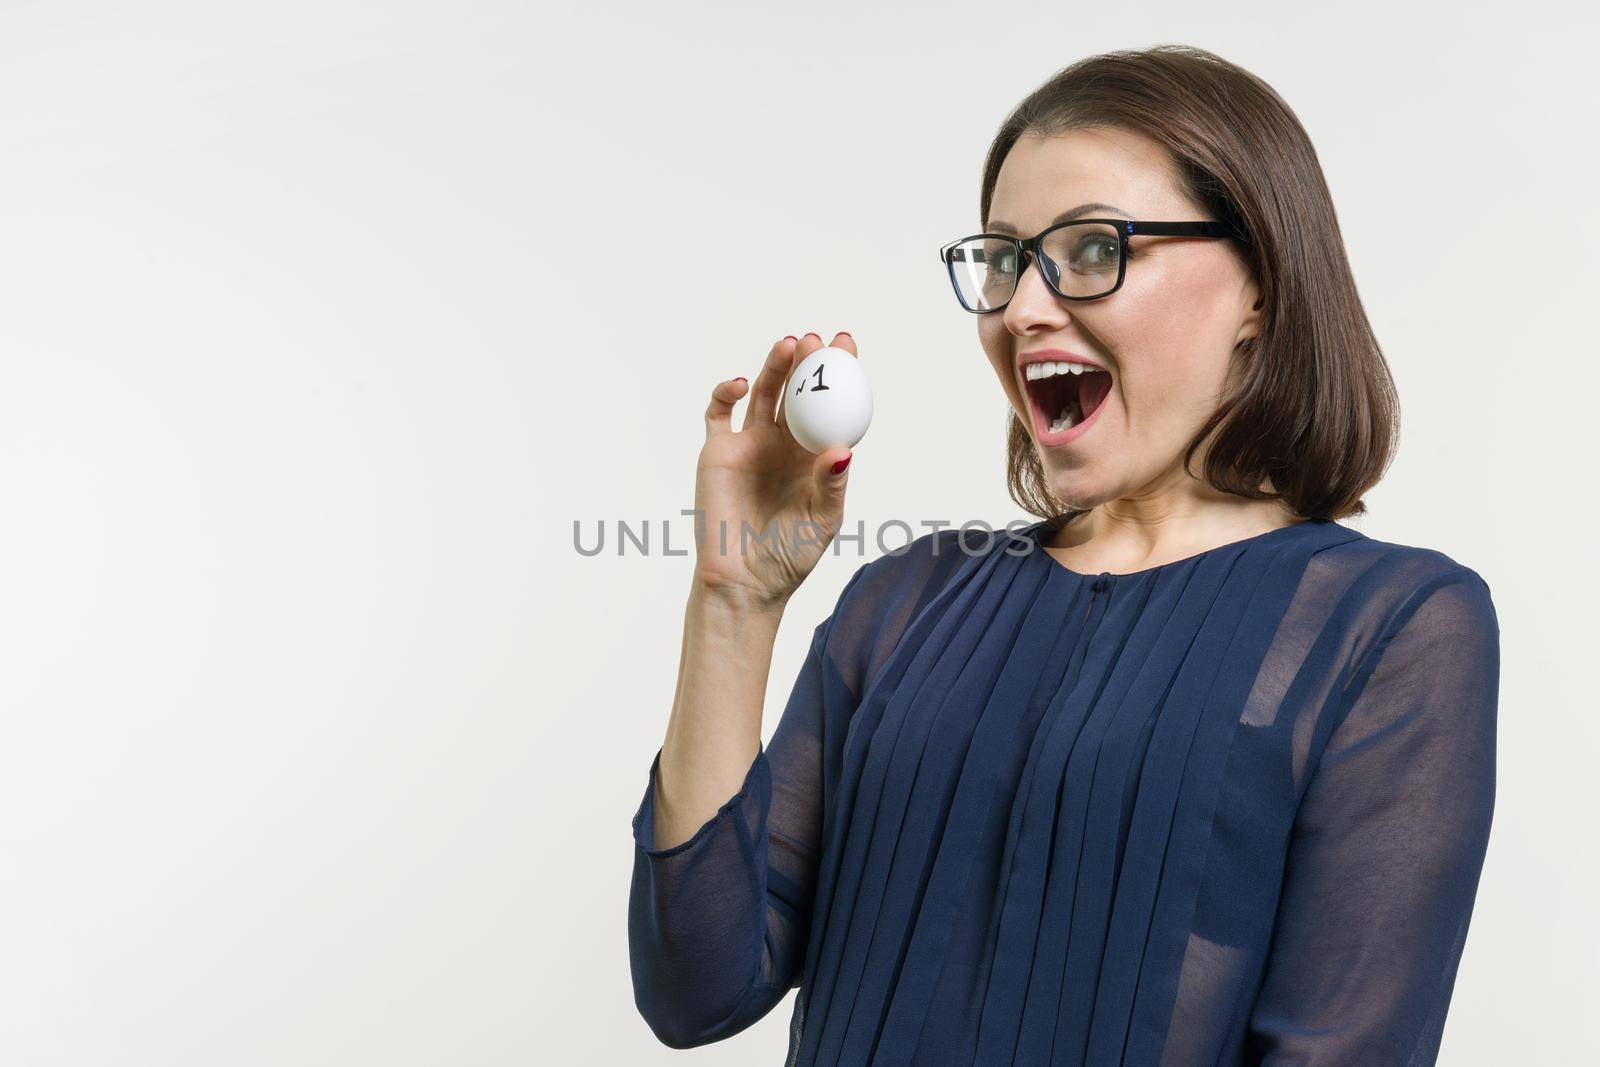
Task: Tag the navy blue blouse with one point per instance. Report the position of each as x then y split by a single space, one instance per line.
1228 810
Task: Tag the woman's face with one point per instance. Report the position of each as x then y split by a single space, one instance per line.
1166 338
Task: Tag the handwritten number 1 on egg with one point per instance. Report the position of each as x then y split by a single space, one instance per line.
816 388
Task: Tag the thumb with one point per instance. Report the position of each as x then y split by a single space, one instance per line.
830 473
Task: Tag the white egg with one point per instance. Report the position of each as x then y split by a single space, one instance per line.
827 401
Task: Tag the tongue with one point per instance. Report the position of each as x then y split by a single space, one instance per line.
1092 390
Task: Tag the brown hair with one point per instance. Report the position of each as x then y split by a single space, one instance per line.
1315 410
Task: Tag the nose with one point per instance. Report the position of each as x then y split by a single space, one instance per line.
1034 303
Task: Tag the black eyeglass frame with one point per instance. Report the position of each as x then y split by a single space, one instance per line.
1124 228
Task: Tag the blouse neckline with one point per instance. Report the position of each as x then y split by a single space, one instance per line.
1036 531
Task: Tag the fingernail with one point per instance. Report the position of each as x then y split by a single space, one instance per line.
741 379
790 337
838 468
845 333
810 334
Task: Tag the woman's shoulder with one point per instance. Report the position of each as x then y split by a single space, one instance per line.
1380 587
912 564
1400 563
1420 635
884 595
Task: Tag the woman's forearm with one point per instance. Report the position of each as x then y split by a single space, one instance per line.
714 731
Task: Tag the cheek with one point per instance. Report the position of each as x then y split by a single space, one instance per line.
994 338
1174 363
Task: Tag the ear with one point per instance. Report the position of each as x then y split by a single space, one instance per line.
1252 314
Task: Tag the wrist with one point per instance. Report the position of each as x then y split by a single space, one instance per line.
735 601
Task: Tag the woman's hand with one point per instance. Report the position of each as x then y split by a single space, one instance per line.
792 501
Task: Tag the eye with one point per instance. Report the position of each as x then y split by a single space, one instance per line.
1093 252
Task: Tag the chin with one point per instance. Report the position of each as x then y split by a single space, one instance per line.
1074 490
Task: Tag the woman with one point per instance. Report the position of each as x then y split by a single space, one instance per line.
1187 772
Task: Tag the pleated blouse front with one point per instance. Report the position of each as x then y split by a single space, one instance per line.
1232 809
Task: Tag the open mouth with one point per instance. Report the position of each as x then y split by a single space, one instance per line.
1063 394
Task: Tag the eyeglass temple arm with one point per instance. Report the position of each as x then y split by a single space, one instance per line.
1179 229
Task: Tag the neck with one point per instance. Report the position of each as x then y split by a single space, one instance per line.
1132 533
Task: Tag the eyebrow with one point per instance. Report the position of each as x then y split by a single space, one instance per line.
1065 216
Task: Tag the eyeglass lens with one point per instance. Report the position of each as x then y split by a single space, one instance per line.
1083 260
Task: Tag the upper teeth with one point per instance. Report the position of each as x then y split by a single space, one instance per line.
1050 370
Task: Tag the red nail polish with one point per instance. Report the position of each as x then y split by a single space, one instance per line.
741 379
810 334
838 468
790 337
845 333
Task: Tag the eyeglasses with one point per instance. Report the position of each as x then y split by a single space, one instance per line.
1084 259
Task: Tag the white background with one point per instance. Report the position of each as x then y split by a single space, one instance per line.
321 324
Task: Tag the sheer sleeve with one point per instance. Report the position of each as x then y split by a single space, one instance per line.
718 925
1388 844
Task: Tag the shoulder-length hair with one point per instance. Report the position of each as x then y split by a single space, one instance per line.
1315 409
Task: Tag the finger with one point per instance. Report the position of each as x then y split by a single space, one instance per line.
846 342
808 344
769 383
719 413
830 484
